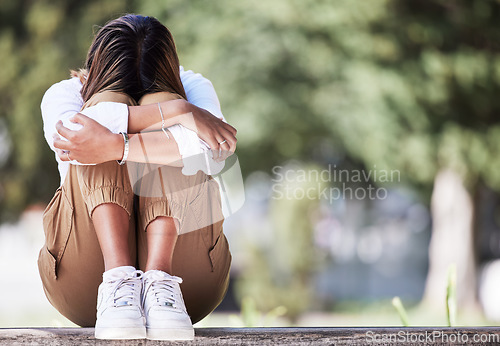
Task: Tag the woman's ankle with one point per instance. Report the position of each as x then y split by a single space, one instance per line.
162 267
118 264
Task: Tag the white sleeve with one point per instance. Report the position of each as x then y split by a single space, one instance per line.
195 152
200 92
196 155
112 115
60 102
63 100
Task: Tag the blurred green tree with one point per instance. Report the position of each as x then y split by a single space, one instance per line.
405 85
40 41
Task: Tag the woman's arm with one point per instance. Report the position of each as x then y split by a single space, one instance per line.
210 129
86 145
200 93
63 100
202 114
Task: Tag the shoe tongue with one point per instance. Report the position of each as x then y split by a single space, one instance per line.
157 275
117 273
161 275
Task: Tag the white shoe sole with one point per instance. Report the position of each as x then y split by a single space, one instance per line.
120 333
170 334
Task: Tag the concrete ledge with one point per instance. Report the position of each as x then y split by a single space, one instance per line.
270 336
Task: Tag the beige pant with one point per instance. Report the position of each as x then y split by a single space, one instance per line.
71 262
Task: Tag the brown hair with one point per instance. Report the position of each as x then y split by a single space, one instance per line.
132 54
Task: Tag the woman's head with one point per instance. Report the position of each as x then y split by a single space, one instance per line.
135 55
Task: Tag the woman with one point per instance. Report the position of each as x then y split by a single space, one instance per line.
111 219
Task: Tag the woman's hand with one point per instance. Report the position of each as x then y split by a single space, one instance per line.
93 143
220 136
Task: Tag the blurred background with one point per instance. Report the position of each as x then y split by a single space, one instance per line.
401 96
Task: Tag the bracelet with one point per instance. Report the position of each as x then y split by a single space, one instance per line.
162 121
125 149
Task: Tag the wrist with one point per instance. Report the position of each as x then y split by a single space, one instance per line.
118 147
180 108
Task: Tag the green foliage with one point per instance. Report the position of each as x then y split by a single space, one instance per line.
451 296
281 272
251 317
406 85
40 41
451 300
378 79
409 85
398 305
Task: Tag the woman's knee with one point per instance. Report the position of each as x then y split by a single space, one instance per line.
108 182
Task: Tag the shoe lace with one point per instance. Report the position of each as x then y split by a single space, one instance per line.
127 289
163 291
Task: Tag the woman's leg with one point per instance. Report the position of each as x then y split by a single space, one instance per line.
161 236
164 308
200 253
89 229
119 306
111 223
201 258
71 263
162 230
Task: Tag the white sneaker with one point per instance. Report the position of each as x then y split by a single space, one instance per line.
119 310
166 315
